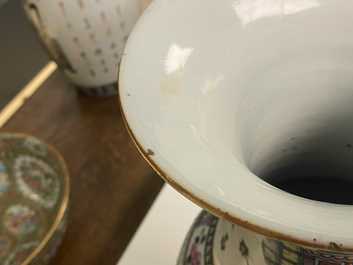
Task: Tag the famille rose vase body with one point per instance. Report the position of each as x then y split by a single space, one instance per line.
86 38
214 241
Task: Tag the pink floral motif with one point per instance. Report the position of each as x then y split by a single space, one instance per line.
20 220
195 255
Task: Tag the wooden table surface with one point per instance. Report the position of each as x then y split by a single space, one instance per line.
112 187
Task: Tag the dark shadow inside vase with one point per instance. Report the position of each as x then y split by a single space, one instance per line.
315 182
314 162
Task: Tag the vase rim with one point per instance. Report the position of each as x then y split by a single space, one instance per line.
167 140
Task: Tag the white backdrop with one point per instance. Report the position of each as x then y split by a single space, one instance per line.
160 236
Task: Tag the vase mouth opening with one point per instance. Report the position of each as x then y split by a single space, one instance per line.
311 173
304 146
291 125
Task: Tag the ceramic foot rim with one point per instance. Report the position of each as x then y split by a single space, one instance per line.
100 91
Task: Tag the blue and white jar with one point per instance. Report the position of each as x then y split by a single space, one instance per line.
86 38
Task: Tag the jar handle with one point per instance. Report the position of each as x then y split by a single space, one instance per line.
50 44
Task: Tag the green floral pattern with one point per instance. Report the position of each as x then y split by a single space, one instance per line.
31 190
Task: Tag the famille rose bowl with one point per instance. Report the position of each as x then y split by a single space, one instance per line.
224 99
34 194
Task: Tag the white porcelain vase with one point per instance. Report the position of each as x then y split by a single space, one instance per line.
245 108
86 38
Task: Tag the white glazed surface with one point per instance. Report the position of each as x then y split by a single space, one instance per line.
91 34
213 241
214 88
217 242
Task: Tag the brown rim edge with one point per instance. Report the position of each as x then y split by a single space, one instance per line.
64 203
332 246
